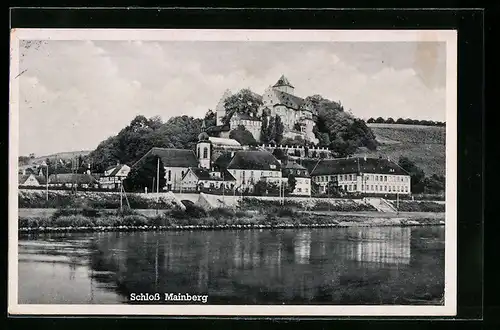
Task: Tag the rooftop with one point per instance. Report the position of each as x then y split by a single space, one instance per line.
224 142
173 157
283 81
204 174
254 160
357 165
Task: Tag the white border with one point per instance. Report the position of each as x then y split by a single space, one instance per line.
448 36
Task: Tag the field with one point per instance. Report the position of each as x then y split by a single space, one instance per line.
424 145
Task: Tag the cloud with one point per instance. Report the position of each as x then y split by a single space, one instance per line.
75 94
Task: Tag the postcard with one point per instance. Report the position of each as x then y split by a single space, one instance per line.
233 172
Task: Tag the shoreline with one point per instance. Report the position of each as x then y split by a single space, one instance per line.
250 224
29 230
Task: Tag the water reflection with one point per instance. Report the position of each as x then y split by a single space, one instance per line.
331 266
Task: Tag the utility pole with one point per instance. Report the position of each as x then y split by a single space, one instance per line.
223 186
158 180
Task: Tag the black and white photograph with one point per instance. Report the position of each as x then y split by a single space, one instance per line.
233 172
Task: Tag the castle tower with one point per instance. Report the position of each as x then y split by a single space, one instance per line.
204 149
284 85
220 110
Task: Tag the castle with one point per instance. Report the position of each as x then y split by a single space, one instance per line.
295 113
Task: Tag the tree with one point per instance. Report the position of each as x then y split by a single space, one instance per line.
210 118
389 121
243 136
271 130
280 154
435 184
292 182
416 174
142 175
400 121
379 120
332 188
23 160
371 120
264 130
245 102
135 140
263 188
279 129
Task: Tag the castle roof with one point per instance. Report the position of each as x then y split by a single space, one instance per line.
173 157
283 82
254 160
357 165
224 142
218 129
289 100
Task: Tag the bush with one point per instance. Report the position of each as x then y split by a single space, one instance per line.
135 220
72 221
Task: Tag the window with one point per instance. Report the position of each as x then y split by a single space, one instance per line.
169 175
299 189
182 174
385 188
262 173
389 188
376 177
376 188
306 190
205 152
371 187
385 177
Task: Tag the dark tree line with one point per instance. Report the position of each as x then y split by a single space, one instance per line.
405 121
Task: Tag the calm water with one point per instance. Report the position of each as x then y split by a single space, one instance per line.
306 266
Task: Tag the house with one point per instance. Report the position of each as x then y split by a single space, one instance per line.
249 166
70 180
362 175
113 176
176 162
197 178
301 175
30 180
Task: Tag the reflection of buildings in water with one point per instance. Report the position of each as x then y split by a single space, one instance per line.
302 247
377 245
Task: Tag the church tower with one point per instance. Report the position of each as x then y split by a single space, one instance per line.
204 149
284 85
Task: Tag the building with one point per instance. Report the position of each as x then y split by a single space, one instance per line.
280 99
362 175
30 180
113 176
197 179
70 180
176 162
249 166
302 178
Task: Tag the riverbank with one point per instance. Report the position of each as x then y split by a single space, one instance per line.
219 219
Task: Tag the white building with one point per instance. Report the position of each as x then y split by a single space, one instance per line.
197 179
249 166
363 175
30 180
114 176
302 178
176 163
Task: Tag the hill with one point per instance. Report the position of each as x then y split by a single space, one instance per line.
68 155
424 145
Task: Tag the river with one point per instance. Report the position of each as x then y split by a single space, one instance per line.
338 266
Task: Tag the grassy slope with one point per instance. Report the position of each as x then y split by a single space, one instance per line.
425 145
62 155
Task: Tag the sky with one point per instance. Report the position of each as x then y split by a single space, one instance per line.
75 94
